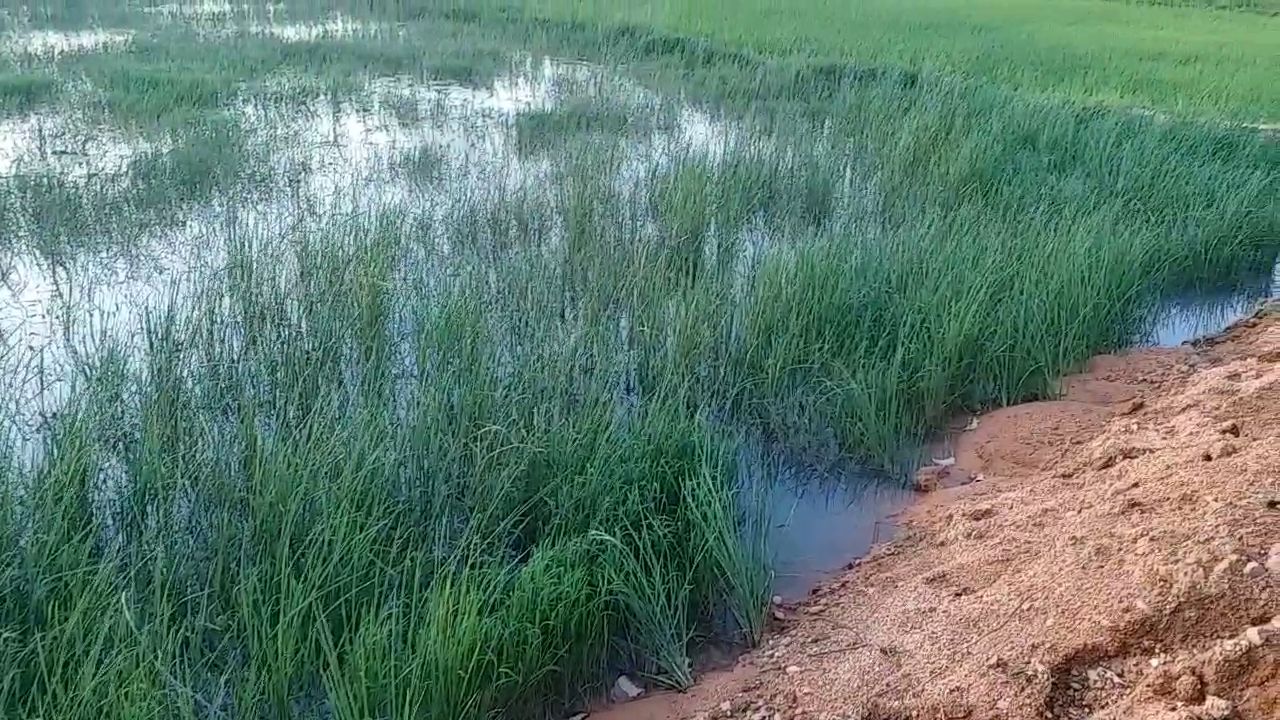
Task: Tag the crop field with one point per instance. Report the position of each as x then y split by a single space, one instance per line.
433 359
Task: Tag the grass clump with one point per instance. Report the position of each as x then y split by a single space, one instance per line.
546 129
732 529
24 91
152 94
284 525
654 591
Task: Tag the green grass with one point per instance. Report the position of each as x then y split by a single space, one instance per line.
472 452
1267 7
22 91
1181 60
58 215
546 130
1186 60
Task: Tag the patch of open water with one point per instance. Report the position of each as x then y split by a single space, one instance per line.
820 516
66 145
1189 315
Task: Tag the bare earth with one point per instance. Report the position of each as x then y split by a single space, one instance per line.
1119 558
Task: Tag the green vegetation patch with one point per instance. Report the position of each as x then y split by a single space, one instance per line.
441 433
1189 61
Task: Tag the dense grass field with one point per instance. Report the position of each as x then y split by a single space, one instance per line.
437 361
1179 58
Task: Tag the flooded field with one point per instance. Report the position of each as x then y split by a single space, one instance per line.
347 354
99 249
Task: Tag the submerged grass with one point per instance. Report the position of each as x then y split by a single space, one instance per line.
470 459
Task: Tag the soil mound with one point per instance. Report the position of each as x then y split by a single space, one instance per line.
1119 559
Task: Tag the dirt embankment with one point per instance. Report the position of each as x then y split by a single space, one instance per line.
1119 559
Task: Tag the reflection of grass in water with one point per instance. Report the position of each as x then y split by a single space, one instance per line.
50 210
369 475
1196 311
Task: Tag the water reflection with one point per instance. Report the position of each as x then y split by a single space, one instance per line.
820 516
428 152
1194 314
66 144
337 26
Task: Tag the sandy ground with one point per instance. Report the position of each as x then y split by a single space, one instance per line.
1117 558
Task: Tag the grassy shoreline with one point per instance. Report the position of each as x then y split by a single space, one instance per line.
471 450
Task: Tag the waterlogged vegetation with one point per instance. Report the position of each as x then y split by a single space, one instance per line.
447 361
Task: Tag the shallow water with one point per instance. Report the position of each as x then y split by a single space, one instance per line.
51 44
822 517
429 151
65 145
73 291
1190 315
94 242
346 160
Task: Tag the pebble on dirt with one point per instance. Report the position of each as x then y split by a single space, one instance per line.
929 478
1262 635
1215 708
625 689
